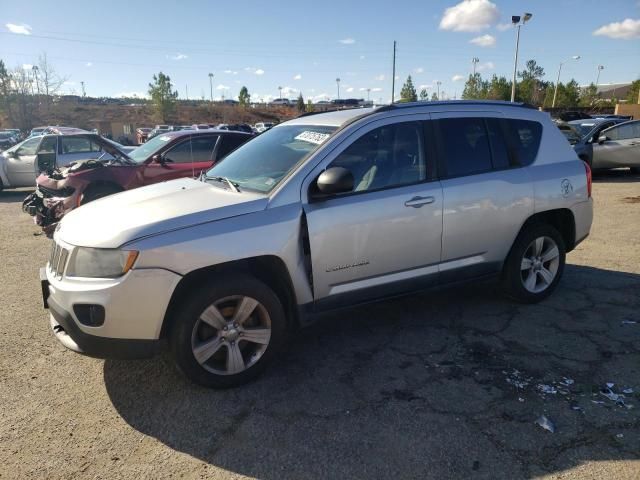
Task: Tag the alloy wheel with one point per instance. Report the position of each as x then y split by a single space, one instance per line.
539 265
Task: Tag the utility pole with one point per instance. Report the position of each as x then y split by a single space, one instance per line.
83 92
186 91
338 83
393 76
368 94
438 83
211 87
555 92
515 20
35 72
475 61
280 88
600 68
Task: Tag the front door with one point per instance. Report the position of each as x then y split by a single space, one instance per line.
187 158
622 149
21 166
384 237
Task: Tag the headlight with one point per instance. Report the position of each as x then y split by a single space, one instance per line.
100 262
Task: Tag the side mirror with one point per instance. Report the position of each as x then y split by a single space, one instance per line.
158 158
335 180
602 139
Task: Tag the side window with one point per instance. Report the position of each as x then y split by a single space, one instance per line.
624 131
525 137
48 145
29 147
466 146
78 145
388 156
181 153
229 144
203 148
499 150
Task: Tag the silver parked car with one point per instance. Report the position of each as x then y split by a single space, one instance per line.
618 146
321 212
21 164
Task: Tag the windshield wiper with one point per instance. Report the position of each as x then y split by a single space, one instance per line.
232 185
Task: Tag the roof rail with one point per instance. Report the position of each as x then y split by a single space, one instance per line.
308 114
501 103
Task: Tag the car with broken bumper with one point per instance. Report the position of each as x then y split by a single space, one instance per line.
318 213
165 157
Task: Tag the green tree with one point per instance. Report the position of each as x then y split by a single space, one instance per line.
589 96
568 95
474 88
243 97
300 103
310 107
408 92
5 92
434 97
632 96
162 96
499 88
529 88
424 95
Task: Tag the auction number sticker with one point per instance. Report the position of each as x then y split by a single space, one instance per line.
313 137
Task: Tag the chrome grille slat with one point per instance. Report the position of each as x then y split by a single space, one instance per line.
58 259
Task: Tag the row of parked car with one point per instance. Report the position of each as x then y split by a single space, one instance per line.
144 134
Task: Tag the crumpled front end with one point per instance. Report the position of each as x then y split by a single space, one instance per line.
50 202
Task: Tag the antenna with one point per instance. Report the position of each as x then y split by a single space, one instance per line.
393 76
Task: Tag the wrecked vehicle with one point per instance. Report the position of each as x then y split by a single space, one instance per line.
54 147
165 157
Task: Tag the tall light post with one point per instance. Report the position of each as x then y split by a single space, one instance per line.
475 61
600 68
519 21
338 83
438 83
211 87
280 89
368 94
35 72
555 92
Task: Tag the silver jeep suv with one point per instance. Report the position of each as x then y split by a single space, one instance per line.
324 211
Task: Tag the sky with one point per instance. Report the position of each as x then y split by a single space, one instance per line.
116 47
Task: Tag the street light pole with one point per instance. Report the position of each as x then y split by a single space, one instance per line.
600 68
368 94
211 87
438 83
338 83
280 89
555 92
35 72
519 21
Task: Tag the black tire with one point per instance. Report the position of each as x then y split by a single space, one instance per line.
94 192
186 323
634 170
513 282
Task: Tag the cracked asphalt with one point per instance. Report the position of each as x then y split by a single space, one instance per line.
444 384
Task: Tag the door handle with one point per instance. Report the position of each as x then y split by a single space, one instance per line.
417 202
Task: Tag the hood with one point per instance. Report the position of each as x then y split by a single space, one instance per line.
117 219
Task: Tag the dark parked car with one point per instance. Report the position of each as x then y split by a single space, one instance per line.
582 134
165 157
7 140
570 116
618 146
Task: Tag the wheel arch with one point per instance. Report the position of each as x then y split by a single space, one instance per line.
269 269
562 219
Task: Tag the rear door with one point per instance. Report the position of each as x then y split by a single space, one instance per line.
486 194
228 143
21 167
621 149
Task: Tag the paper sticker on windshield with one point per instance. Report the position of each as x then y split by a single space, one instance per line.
165 138
313 137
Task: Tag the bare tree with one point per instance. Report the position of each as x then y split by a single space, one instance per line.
49 82
22 87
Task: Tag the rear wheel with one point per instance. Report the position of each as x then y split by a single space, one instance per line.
535 264
226 333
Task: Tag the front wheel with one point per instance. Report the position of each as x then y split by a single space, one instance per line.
535 264
226 333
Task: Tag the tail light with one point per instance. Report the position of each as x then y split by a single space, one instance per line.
587 169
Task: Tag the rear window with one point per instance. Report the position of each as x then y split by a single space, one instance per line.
466 146
525 138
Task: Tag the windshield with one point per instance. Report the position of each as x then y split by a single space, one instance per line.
263 162
149 148
583 128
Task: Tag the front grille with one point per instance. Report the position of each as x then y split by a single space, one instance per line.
58 259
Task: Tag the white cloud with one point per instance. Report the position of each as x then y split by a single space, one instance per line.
484 41
287 91
320 97
504 26
349 90
21 29
377 89
425 87
222 87
419 70
627 29
485 66
297 77
347 41
259 71
457 78
470 16
362 57
88 64
27 66
255 71
231 72
178 56
379 77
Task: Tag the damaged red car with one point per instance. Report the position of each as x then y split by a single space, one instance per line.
165 157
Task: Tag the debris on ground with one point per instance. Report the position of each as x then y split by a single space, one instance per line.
628 322
618 398
517 379
547 389
545 423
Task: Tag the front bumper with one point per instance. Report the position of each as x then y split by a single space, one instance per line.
46 208
134 305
